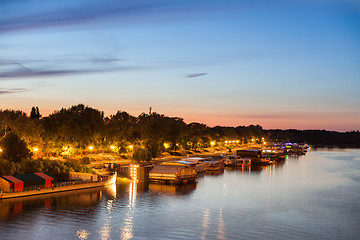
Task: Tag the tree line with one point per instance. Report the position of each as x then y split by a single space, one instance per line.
73 130
82 129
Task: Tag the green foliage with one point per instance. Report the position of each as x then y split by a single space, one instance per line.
6 167
85 160
14 148
29 129
57 168
77 126
140 154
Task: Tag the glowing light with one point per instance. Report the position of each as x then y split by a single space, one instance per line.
237 141
65 148
112 147
166 145
226 142
0 150
212 143
36 149
131 147
133 172
91 147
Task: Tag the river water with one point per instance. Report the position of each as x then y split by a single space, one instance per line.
316 196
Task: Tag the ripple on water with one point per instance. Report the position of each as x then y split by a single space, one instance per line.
310 197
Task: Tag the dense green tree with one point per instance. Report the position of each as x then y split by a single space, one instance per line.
35 113
141 153
77 126
121 127
14 148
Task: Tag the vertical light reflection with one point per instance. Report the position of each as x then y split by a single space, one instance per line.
221 227
206 223
273 172
127 229
111 190
105 230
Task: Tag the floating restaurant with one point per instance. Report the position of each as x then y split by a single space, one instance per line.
196 162
234 160
173 173
211 166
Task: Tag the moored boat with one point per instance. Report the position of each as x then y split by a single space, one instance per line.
212 166
196 162
243 162
173 173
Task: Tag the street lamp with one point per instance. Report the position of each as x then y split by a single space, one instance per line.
112 147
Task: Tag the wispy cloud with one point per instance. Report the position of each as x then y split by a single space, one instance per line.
104 11
14 90
36 68
193 75
20 73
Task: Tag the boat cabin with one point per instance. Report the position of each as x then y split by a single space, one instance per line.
173 173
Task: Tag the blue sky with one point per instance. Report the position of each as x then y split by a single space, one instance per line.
280 64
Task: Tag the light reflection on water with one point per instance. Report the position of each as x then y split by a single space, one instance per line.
127 227
308 197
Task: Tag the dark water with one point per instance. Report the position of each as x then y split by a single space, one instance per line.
316 196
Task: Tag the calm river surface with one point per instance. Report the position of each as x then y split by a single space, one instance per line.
316 196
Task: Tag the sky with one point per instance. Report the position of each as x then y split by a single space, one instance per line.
282 64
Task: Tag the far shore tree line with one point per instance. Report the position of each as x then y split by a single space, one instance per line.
81 130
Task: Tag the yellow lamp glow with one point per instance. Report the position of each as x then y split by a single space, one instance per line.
36 149
134 172
166 145
91 147
212 143
112 147
131 147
